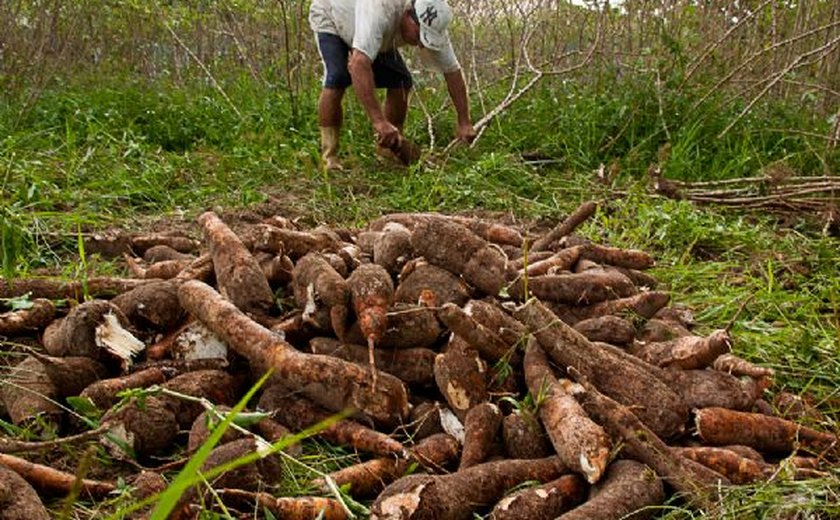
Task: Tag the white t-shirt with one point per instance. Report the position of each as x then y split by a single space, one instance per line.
372 26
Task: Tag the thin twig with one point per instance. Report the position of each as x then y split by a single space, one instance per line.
749 180
756 55
204 68
759 199
778 77
738 312
15 446
512 98
711 48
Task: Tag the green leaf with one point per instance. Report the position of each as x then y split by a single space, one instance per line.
84 406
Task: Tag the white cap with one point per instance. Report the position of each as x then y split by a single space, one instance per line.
434 17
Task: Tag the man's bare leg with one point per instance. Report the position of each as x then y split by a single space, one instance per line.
330 117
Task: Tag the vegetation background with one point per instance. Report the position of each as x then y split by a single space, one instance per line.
120 113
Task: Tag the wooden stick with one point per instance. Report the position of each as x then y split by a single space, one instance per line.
15 446
578 217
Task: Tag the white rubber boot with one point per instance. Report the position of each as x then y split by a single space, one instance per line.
329 148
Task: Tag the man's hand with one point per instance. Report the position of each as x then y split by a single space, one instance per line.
465 132
387 135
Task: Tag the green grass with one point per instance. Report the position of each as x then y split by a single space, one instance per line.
122 154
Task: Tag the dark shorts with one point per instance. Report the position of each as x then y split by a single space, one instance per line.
389 70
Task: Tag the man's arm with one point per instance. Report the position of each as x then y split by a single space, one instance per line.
361 70
458 93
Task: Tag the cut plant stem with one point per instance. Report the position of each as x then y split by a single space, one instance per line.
572 222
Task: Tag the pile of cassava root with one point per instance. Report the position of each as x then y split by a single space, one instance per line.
480 368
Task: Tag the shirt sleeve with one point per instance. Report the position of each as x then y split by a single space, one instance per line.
443 61
370 28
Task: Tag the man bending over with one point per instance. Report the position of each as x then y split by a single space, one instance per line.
358 41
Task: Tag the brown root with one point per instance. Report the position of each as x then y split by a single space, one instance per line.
461 377
457 495
581 444
480 338
287 508
644 445
687 352
413 366
54 289
298 413
334 383
710 388
392 248
153 307
369 478
29 394
103 393
610 370
295 243
239 276
609 329
616 256
419 277
736 366
739 470
625 492
548 500
564 228
424 420
556 263
720 426
524 437
584 288
70 375
481 264
143 428
24 321
481 428
45 478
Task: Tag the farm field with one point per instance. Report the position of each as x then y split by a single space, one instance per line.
698 146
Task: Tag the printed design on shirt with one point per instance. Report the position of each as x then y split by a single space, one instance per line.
428 16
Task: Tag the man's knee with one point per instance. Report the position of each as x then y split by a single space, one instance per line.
337 79
334 54
399 94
